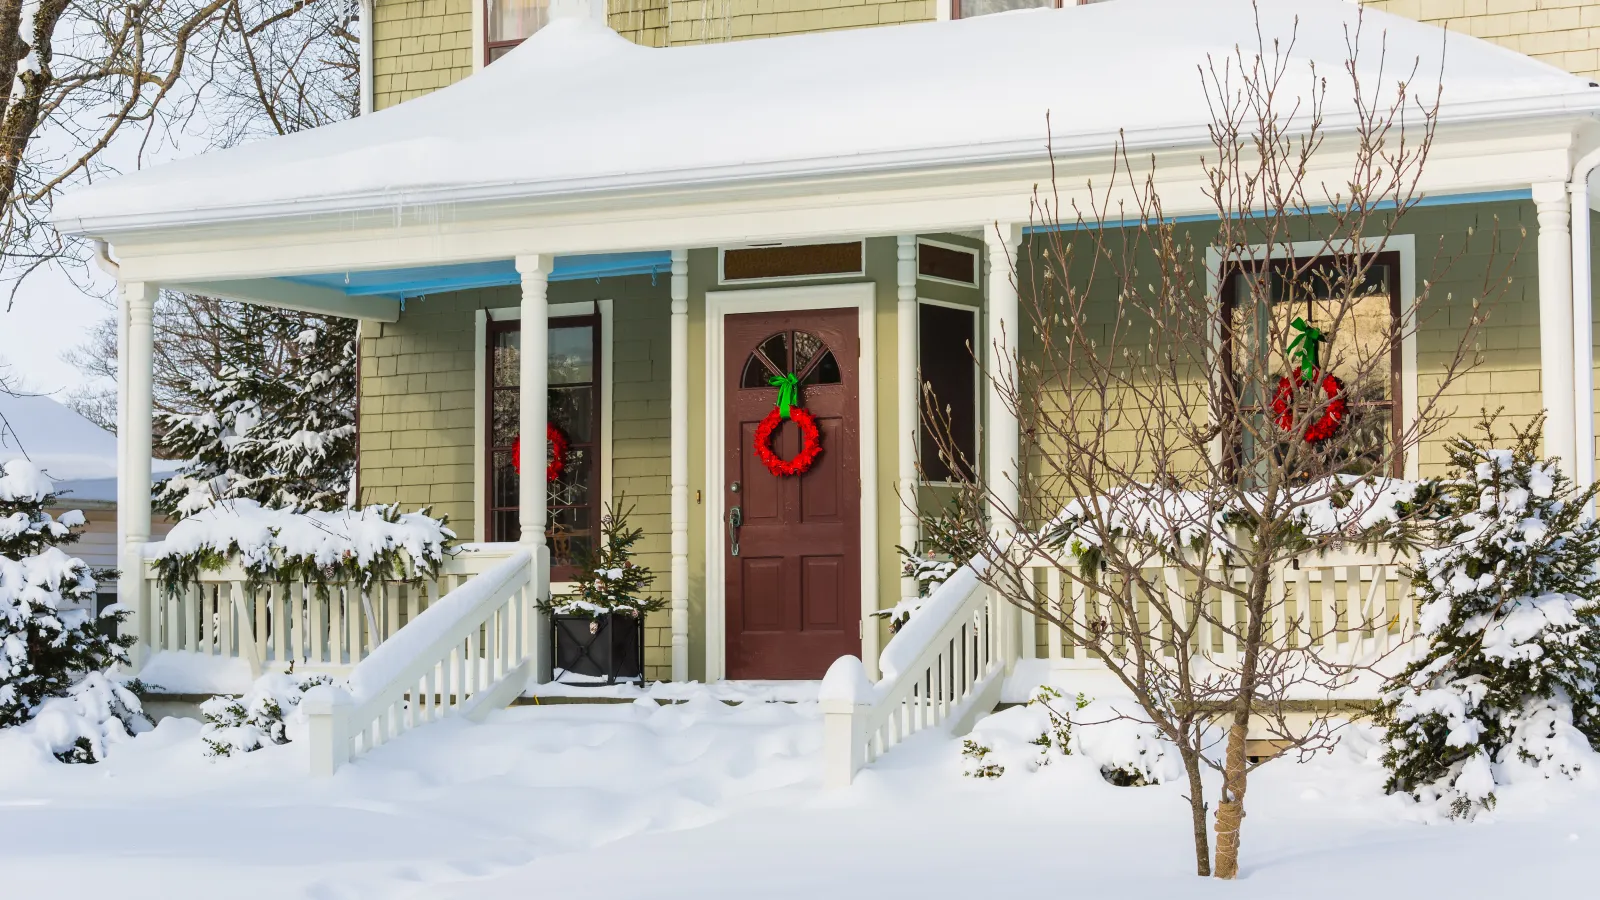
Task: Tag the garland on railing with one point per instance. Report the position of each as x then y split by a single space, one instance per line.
378 543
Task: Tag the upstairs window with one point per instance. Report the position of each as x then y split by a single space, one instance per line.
510 22
966 9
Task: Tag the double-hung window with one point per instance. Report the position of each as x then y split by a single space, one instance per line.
508 23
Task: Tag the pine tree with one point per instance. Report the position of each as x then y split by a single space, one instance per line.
608 580
1508 673
276 424
50 638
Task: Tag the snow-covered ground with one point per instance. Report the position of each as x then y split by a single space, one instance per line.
704 800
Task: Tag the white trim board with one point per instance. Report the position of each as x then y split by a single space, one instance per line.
720 304
1403 244
480 391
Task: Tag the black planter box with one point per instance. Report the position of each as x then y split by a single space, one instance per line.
609 646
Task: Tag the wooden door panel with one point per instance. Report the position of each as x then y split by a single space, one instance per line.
794 591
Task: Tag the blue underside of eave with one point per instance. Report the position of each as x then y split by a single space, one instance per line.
1437 200
402 284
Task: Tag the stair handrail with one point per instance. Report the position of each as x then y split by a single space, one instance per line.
946 664
467 654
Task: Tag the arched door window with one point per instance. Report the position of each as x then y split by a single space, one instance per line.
790 351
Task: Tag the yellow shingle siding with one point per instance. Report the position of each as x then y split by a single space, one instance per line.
419 46
1564 33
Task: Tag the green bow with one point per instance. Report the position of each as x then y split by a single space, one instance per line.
788 392
1304 348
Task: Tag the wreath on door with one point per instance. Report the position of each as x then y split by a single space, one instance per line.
788 407
1304 349
558 452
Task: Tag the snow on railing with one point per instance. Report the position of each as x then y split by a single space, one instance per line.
944 667
1346 605
468 654
277 624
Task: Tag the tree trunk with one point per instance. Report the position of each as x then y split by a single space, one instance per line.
1197 809
1230 811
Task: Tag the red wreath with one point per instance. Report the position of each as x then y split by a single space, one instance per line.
558 453
810 442
1332 414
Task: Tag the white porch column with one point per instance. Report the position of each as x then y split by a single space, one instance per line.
908 386
1000 464
680 465
1555 322
133 468
1582 332
533 397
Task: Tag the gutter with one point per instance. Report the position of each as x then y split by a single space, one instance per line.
904 161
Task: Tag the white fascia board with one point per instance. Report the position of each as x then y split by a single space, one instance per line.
1140 143
1463 161
289 295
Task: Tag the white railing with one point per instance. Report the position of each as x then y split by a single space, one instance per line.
948 662
945 667
469 653
274 625
1347 606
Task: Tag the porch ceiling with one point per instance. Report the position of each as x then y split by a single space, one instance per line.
400 284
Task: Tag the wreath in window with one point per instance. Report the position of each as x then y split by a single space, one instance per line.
558 452
788 407
1304 349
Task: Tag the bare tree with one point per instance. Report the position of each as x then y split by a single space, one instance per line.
1203 406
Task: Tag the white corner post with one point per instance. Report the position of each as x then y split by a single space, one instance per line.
1555 322
1001 462
533 397
908 387
137 299
1582 324
680 465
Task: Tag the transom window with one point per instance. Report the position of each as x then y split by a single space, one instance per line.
790 351
573 499
508 23
1366 343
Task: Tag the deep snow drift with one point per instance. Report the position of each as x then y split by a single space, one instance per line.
704 800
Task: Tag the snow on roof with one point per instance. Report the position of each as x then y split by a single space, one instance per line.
577 107
64 445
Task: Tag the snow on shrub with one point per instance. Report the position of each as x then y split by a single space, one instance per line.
362 546
1505 684
262 715
96 714
52 645
1128 752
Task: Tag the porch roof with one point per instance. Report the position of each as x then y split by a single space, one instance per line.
578 109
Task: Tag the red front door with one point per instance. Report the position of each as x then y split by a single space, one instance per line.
794 587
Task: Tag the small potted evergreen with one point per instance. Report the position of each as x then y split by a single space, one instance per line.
598 629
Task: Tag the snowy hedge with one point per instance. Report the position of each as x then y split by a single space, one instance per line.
53 647
362 546
1507 680
263 715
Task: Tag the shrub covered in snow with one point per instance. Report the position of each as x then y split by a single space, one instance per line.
948 542
608 580
356 545
51 641
1127 751
262 715
1507 678
96 714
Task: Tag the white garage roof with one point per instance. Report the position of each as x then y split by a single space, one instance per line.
577 108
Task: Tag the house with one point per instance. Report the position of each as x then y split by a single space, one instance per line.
81 458
629 244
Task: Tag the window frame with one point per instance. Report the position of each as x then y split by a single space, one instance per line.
595 319
976 458
1394 259
486 47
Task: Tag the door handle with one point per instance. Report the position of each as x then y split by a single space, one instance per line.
735 519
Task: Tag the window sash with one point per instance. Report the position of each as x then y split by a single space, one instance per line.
500 519
1390 260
